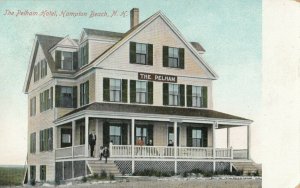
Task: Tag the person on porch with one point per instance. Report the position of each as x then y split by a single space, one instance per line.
101 153
105 154
92 142
150 143
140 142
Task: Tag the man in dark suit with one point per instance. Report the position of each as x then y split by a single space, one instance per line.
92 142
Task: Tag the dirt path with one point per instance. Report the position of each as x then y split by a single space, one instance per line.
249 183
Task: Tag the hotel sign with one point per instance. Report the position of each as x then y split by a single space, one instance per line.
157 77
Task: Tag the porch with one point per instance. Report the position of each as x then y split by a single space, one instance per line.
193 137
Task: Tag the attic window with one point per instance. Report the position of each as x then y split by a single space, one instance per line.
66 60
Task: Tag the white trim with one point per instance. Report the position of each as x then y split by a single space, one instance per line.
149 117
74 44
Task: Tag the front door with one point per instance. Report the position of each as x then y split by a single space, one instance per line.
66 137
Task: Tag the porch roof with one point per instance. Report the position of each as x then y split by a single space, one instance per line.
146 109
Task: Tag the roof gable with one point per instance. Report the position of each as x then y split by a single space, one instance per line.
66 42
134 31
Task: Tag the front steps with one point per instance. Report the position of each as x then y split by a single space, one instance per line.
96 167
248 168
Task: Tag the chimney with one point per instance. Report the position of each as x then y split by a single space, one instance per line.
134 17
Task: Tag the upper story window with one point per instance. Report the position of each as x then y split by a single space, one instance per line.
84 93
141 92
46 100
33 142
84 55
197 96
43 68
46 139
173 57
65 60
173 94
141 53
114 90
66 96
33 106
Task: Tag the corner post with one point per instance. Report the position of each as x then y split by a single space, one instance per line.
214 125
86 143
132 143
248 142
228 137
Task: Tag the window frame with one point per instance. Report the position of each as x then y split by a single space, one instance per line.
62 97
173 95
112 98
43 176
62 60
139 92
141 54
32 143
113 136
84 93
196 96
33 106
173 57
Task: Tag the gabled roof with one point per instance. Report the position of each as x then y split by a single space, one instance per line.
103 33
163 110
144 24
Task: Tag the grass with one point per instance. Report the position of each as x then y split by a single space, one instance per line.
11 176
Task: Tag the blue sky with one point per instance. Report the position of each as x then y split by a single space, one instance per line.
230 31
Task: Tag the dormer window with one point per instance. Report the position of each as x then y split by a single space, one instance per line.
65 60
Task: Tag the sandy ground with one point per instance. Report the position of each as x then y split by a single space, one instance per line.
248 183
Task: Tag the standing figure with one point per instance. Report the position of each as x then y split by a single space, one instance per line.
92 142
101 152
105 154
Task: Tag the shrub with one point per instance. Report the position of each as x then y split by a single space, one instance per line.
84 179
96 175
32 182
103 174
184 174
111 176
208 174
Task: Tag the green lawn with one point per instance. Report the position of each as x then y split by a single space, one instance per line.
11 175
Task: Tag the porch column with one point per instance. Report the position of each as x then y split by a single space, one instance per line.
54 138
86 143
132 143
228 138
214 125
175 145
248 141
73 137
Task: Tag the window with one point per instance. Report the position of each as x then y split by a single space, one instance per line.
82 135
43 172
43 68
32 172
83 55
32 142
46 99
33 106
197 136
141 92
173 60
114 90
173 94
67 60
115 134
173 57
66 96
171 135
46 139
66 137
197 96
144 132
84 93
36 70
141 53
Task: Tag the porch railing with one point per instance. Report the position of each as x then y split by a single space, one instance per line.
70 152
240 154
169 152
195 152
64 153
